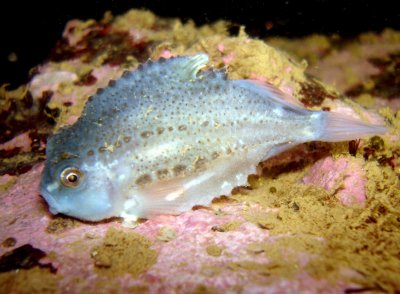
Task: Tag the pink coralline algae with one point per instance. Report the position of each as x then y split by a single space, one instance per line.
194 229
22 142
322 217
345 176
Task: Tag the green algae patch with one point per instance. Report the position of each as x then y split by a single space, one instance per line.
7 182
284 268
122 253
60 224
214 250
228 226
166 234
211 270
34 280
365 100
310 48
142 19
203 289
139 289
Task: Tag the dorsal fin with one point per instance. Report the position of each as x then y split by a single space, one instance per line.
182 68
189 66
273 94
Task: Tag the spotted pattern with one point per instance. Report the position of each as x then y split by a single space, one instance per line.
166 119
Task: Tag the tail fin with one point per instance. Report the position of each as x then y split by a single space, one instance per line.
340 127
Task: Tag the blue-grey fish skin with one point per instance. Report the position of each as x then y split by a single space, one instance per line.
164 138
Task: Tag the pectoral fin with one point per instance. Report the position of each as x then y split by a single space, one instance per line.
171 196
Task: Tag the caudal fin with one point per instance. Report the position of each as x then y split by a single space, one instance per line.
339 127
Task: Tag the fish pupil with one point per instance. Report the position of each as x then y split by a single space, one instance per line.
72 178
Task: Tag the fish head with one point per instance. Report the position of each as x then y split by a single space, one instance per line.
77 186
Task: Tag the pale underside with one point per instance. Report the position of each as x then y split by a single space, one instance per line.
180 194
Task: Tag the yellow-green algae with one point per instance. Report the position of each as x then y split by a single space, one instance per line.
310 220
214 250
309 49
60 224
343 62
203 289
123 253
6 185
166 234
315 47
34 280
228 226
307 219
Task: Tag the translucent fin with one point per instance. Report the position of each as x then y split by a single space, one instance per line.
181 194
339 127
273 94
187 67
190 66
170 196
279 149
181 68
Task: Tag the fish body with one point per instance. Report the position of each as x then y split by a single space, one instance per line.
166 137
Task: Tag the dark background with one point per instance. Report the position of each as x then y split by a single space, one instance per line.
31 28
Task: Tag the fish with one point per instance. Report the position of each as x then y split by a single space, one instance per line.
171 135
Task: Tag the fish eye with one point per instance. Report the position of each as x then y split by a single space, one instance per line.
71 177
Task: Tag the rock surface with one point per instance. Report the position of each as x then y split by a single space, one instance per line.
321 217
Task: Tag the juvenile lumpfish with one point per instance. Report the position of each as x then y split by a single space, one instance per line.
166 137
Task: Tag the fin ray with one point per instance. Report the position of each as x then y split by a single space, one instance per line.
274 94
169 196
181 68
340 127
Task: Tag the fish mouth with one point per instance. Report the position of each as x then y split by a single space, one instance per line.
53 204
